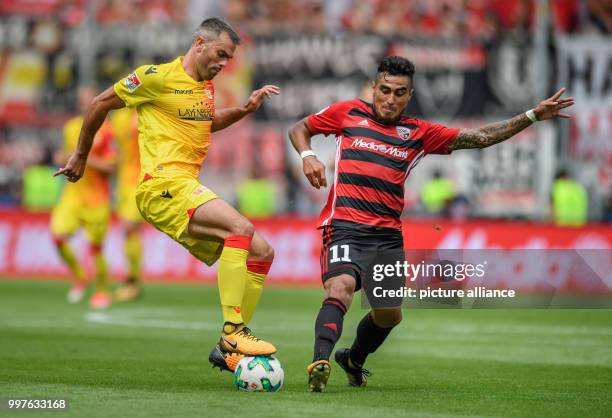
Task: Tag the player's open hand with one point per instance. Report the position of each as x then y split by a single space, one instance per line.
314 170
258 96
74 168
551 107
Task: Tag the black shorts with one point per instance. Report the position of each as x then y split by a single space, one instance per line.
351 248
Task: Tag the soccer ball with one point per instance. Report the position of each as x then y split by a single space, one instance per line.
259 374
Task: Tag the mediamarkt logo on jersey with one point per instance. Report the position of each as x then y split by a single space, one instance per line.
392 151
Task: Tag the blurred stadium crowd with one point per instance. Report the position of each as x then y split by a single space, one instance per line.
445 18
476 61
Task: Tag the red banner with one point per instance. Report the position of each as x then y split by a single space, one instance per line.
26 248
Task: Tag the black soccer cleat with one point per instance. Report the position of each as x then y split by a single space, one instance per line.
356 375
224 361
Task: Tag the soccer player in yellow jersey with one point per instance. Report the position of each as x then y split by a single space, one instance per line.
125 128
176 115
85 204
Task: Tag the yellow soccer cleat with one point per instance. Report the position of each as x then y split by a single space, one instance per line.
127 293
318 375
244 342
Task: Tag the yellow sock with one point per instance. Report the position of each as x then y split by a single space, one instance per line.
70 259
256 275
101 270
133 251
232 276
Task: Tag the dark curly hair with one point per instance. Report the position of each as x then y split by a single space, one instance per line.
394 65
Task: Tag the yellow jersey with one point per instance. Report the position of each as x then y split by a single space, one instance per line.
175 116
93 189
125 129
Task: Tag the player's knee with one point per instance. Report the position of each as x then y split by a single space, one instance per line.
267 252
95 248
387 318
341 288
131 229
59 240
261 250
242 226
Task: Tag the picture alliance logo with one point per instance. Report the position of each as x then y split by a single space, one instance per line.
385 149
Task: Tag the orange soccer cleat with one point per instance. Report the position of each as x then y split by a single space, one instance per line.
100 300
242 341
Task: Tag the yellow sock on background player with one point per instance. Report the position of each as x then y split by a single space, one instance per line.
101 298
131 289
133 253
79 286
69 257
101 269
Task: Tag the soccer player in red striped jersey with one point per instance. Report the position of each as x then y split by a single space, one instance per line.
377 147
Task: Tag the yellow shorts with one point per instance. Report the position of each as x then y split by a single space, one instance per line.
167 204
126 204
67 217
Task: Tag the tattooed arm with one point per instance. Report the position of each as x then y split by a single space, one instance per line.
497 132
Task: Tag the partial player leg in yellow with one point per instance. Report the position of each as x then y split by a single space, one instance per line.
79 285
95 221
131 289
258 264
131 222
218 219
212 231
64 223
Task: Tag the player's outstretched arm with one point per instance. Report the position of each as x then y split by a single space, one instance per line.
93 118
226 117
314 170
495 133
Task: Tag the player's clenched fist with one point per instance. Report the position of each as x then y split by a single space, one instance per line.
74 168
314 170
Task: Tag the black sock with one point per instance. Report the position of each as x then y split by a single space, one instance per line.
328 328
369 337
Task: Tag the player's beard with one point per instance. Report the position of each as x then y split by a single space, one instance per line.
386 121
213 71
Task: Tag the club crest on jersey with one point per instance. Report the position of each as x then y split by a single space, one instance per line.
403 132
132 82
208 94
199 190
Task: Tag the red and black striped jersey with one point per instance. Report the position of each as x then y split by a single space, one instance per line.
373 161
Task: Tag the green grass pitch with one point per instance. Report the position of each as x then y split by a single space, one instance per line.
149 358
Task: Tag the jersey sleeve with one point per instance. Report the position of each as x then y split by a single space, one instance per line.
106 150
143 85
328 121
438 137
